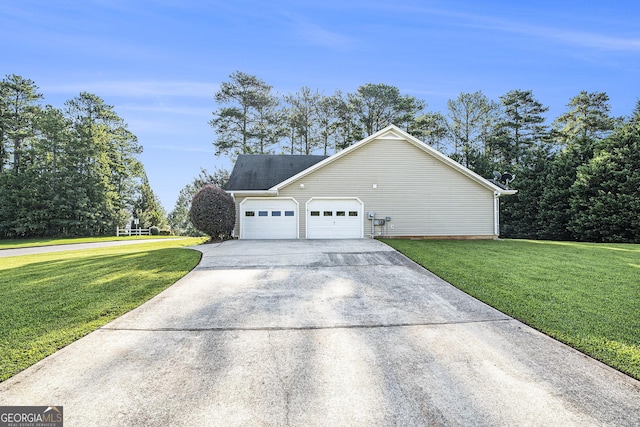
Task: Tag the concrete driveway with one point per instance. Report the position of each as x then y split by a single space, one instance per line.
321 333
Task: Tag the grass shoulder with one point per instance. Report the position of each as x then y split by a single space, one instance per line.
583 294
29 243
50 300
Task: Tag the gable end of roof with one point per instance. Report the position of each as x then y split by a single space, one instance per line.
393 132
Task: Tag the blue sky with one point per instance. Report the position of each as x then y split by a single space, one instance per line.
160 62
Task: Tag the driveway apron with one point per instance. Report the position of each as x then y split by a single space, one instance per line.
319 333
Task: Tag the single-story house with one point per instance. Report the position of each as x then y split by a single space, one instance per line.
388 184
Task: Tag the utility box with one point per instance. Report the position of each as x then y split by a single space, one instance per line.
378 222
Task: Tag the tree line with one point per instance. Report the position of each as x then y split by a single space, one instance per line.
68 172
578 176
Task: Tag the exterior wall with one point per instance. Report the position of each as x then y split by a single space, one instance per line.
236 228
422 195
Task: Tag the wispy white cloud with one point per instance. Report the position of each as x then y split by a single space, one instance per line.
605 40
560 35
319 35
137 88
579 38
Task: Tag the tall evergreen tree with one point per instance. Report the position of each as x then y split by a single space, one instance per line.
328 120
303 116
4 117
19 180
521 146
605 201
471 117
68 172
104 152
250 122
91 120
347 129
376 106
48 167
53 136
588 118
147 208
19 107
520 127
586 122
520 213
431 128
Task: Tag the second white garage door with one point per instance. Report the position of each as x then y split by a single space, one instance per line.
334 218
268 219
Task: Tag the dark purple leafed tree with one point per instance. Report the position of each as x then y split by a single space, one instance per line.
213 212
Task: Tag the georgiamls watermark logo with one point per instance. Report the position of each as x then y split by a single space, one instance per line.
31 416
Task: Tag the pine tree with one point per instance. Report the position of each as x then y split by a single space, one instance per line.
605 201
578 131
251 122
19 108
520 128
376 106
303 118
471 117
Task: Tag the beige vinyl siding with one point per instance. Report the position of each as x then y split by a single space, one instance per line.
422 195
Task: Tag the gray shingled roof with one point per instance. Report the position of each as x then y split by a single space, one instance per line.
263 171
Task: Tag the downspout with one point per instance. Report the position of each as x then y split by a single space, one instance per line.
496 213
235 233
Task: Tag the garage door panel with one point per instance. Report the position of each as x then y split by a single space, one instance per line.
334 219
269 219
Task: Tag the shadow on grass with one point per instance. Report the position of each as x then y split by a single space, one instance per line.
47 305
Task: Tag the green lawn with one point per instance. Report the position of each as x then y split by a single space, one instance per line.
586 295
51 300
26 243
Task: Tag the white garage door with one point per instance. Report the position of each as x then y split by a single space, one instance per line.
334 219
268 219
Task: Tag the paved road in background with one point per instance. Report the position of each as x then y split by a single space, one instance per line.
4 253
318 333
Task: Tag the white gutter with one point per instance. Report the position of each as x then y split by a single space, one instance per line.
252 193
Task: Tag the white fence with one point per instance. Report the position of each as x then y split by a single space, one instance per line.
133 231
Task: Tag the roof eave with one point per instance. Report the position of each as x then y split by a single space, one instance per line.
249 193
